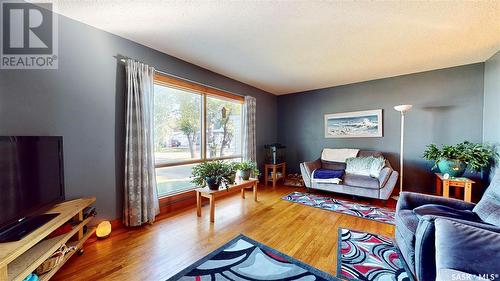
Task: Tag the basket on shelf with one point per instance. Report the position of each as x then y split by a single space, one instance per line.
55 259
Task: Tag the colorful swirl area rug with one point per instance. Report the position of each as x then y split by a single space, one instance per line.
343 207
245 259
369 257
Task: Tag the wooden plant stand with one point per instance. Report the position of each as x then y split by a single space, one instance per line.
18 259
213 194
274 168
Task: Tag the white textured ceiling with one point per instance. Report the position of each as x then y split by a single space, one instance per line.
284 47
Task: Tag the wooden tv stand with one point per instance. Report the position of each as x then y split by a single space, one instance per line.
18 259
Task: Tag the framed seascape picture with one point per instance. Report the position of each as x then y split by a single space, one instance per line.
358 124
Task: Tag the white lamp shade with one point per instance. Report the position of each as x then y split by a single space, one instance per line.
403 107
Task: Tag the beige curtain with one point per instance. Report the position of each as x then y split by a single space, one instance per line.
141 197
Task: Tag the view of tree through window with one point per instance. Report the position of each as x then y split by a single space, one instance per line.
178 139
223 128
177 125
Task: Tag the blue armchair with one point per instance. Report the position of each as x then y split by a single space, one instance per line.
416 216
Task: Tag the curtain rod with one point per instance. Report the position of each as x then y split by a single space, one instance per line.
123 59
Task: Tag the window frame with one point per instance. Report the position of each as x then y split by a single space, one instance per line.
204 92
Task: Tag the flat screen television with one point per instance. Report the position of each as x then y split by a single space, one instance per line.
31 181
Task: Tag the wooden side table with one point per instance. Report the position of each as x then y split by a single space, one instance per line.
213 194
443 185
274 168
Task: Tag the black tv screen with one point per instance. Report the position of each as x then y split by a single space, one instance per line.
31 176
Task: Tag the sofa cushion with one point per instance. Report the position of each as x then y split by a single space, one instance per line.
365 166
338 154
466 248
368 153
377 164
361 181
488 208
332 165
445 211
359 166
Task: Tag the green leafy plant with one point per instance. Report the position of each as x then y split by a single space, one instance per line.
218 171
248 166
475 155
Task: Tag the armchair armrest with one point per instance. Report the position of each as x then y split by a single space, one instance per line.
306 168
411 200
466 248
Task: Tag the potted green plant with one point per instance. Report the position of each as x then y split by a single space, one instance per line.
213 174
245 169
454 159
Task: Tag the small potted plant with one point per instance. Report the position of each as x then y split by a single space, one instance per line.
245 169
213 174
454 159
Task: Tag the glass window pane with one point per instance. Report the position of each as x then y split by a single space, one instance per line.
174 179
177 125
223 131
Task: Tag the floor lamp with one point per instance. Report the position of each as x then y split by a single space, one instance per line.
403 109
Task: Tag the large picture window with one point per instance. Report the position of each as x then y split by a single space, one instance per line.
192 124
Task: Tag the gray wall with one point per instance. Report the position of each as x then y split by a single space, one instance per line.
83 101
491 127
448 108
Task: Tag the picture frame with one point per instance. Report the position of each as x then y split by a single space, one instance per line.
356 124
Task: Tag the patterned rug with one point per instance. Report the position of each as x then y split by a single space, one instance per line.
245 259
369 257
341 206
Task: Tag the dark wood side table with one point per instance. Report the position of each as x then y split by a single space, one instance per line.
274 177
443 186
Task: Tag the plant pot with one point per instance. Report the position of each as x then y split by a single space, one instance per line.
244 174
212 183
455 168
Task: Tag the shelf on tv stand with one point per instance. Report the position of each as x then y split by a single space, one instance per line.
18 259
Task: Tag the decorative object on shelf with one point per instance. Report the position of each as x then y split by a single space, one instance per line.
403 109
213 174
54 260
275 153
103 230
245 169
89 211
31 277
358 124
454 159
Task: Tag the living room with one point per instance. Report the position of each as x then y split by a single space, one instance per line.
250 140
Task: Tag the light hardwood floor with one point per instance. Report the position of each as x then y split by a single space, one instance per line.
159 251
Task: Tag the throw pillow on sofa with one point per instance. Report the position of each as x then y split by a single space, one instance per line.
365 166
378 163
